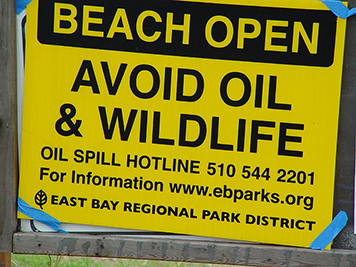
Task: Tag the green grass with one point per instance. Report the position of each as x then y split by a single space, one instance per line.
65 261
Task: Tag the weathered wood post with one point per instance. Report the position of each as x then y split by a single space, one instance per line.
8 132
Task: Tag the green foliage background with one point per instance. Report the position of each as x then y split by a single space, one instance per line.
66 261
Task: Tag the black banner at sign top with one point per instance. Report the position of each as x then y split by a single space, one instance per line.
191 29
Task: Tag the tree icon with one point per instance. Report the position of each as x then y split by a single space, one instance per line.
41 198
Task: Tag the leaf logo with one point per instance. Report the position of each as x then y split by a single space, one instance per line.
41 198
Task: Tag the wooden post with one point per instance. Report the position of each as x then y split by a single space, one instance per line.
5 259
8 132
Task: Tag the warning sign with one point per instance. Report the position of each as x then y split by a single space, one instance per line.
204 118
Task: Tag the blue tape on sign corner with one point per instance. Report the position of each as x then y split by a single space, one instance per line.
339 9
330 232
21 5
38 215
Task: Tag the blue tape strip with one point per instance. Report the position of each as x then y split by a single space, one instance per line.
38 215
339 9
21 5
330 232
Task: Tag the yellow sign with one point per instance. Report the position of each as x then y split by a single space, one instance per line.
204 118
